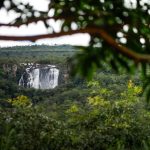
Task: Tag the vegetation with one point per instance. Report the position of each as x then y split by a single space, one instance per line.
119 31
37 54
107 113
93 18
101 122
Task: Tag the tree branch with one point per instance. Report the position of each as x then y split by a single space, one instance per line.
31 20
137 57
42 36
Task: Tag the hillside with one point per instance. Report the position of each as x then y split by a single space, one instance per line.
106 113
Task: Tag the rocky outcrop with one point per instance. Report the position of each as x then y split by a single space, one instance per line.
10 69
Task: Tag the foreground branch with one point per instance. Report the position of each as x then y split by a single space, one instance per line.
18 24
137 57
31 20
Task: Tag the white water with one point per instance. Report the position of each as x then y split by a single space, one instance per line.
40 77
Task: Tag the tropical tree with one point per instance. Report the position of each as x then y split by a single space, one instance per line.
119 30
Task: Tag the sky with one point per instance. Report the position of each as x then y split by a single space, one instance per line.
39 28
35 29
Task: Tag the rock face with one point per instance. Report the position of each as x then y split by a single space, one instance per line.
10 69
40 76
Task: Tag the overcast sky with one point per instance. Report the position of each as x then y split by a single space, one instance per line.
39 28
34 29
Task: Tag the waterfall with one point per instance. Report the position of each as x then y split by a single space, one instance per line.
34 78
41 77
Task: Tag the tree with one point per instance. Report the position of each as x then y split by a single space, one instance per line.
119 30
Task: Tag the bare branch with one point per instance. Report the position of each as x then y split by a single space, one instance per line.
31 20
36 37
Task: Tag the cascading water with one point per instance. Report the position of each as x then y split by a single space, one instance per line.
40 77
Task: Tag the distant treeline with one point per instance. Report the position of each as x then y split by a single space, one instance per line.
36 53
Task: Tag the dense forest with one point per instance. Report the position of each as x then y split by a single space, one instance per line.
94 96
108 112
